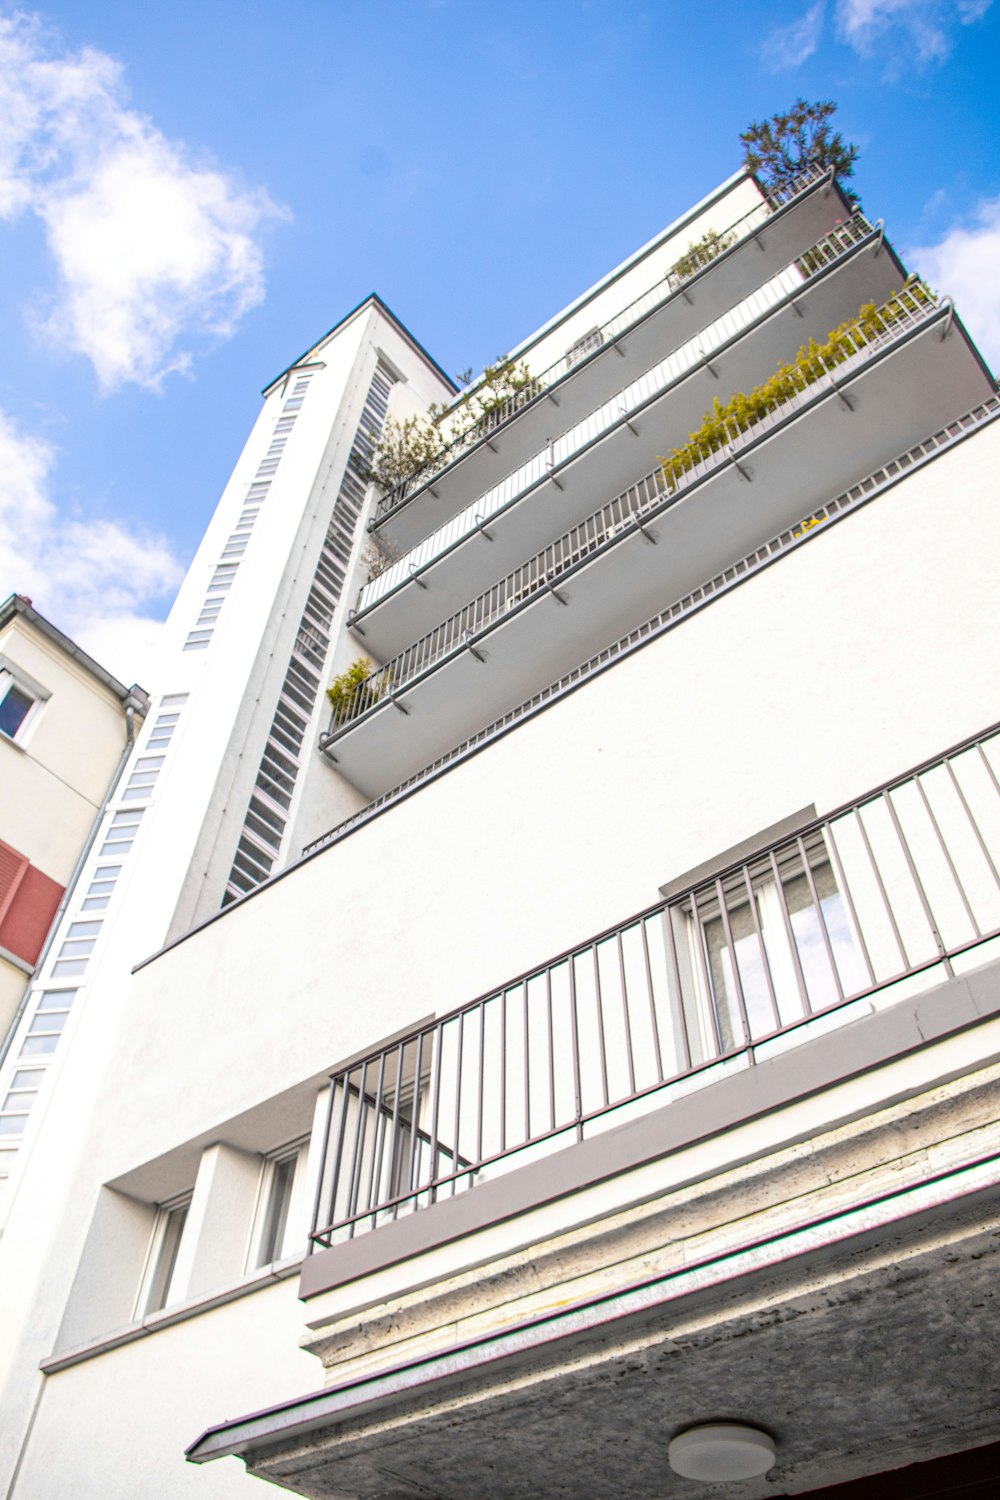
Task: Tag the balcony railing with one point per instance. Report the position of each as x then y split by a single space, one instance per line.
626 405
909 309
891 893
664 288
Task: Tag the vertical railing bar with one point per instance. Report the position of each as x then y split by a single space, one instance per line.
437 1068
379 1132
415 1129
359 1141
734 964
503 1069
947 855
458 1101
668 924
527 1063
394 1154
882 890
711 1000
831 843
945 961
625 1014
752 902
318 1197
810 881
789 929
575 1037
989 769
482 1053
600 1025
552 1057
972 821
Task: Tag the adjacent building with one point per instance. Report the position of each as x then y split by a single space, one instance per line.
66 731
591 1029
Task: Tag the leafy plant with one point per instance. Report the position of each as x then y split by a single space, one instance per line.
378 554
780 149
701 253
412 445
355 690
741 411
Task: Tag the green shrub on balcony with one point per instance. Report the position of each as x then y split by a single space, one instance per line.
701 253
356 689
407 447
742 410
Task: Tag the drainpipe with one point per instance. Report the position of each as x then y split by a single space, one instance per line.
132 703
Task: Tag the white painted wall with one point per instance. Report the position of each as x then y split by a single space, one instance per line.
55 774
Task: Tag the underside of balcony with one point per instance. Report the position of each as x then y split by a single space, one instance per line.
629 348
630 571
613 450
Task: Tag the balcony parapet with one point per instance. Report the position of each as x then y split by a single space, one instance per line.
601 339
644 502
889 894
746 567
670 379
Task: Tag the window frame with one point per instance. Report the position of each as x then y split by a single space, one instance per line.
289 1239
12 678
160 1266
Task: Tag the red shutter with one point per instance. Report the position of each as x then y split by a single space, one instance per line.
28 902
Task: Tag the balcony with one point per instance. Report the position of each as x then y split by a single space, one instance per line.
561 483
652 544
843 918
670 311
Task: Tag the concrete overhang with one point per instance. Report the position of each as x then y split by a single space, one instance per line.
857 1325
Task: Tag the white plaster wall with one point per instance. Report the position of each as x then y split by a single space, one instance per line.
115 1428
55 775
860 654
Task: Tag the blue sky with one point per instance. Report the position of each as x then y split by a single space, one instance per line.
191 194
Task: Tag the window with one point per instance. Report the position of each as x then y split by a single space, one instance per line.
794 946
17 700
159 1287
592 339
279 1230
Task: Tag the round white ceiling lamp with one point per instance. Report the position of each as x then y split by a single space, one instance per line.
719 1451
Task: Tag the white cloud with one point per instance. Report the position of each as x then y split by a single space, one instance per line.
964 264
908 32
788 46
917 30
152 249
94 579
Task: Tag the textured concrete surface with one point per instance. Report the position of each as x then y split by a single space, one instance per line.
874 1349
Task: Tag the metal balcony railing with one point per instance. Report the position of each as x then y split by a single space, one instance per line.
627 511
893 892
664 288
622 408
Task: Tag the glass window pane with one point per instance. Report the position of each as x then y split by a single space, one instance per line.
14 710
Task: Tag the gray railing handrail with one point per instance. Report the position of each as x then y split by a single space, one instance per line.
615 517
470 435
842 241
907 862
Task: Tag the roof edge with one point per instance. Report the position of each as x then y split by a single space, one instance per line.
372 300
18 604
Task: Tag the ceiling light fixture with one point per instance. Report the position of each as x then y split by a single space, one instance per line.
719 1451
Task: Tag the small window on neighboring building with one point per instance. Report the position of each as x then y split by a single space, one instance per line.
278 1232
15 706
159 1289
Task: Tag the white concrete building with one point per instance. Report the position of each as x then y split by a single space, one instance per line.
593 1031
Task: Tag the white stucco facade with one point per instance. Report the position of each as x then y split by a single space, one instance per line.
852 643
